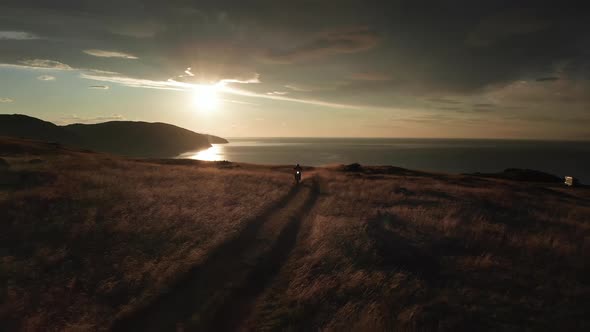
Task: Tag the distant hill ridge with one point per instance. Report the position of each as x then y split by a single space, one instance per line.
128 138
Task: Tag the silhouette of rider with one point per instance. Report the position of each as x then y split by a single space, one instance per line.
297 172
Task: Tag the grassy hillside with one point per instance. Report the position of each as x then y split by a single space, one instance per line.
414 251
91 241
127 138
87 236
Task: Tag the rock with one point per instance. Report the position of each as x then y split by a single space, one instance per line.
356 167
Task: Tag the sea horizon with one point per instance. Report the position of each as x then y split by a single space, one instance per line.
410 138
561 158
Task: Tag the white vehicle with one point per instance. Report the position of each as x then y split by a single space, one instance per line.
570 181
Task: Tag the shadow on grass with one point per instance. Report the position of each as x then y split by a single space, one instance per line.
196 289
396 252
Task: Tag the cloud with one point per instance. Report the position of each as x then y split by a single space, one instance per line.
315 102
109 117
101 72
277 93
110 54
6 100
239 102
184 86
449 108
547 79
499 27
370 76
46 78
570 92
17 35
348 40
73 118
171 84
188 72
480 110
44 64
137 29
229 76
139 83
444 101
455 106
254 79
99 87
317 86
484 105
298 88
413 42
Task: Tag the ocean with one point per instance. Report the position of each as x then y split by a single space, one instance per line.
440 155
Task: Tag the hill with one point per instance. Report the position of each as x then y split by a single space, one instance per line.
92 241
139 139
18 125
128 138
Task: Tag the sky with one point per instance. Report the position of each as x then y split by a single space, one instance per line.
449 69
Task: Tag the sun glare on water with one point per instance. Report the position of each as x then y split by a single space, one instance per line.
206 97
214 153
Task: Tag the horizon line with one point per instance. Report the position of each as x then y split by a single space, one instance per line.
411 137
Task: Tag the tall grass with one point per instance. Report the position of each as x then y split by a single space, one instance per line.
86 237
97 235
436 252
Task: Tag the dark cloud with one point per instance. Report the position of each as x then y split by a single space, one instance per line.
346 40
396 53
547 79
479 110
444 101
475 108
371 76
502 26
449 108
484 105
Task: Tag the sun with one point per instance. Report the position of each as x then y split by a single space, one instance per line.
206 97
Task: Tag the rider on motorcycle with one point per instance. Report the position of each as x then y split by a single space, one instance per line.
298 170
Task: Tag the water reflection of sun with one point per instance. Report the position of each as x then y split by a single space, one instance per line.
213 153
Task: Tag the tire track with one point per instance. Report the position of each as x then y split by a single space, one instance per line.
232 313
216 294
261 316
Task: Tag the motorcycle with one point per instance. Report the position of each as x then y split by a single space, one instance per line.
297 177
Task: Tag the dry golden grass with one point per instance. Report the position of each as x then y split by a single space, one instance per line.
89 237
435 252
86 236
